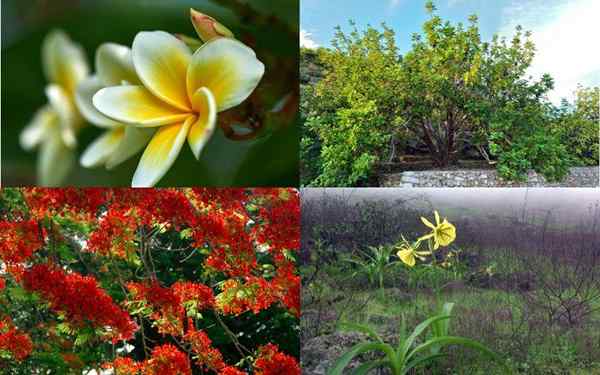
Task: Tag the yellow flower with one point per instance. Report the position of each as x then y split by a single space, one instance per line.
179 94
409 253
443 233
54 126
119 141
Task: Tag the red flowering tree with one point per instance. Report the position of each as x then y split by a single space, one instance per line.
149 281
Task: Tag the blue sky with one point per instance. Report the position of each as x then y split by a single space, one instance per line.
566 32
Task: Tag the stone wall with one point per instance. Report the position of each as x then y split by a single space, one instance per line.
577 177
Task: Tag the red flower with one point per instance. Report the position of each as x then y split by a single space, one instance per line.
230 370
19 240
11 340
271 361
167 360
80 299
206 356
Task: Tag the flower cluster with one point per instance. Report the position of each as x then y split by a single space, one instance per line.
442 234
80 299
165 360
13 341
152 97
172 256
18 240
205 354
167 306
271 361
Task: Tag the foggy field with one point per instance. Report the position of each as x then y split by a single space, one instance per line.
523 273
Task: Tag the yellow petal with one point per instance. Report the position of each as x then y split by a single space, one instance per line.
407 257
437 217
228 68
98 151
161 63
135 105
83 98
161 153
55 161
114 65
63 61
44 119
66 111
427 223
133 142
204 103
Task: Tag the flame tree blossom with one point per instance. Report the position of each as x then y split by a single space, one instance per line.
148 281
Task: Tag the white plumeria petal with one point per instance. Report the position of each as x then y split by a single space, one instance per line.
161 152
63 61
83 98
35 132
205 105
55 161
98 152
228 68
136 105
161 62
114 65
133 142
60 102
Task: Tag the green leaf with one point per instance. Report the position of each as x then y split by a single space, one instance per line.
345 359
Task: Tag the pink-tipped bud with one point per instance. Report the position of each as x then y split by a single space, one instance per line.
207 27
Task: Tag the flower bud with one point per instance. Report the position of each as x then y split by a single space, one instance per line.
207 27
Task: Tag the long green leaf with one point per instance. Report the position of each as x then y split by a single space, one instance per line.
421 361
345 359
404 347
368 366
454 340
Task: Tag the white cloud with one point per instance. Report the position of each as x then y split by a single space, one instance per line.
394 3
306 40
565 34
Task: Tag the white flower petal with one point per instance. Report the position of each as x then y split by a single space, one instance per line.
67 113
55 161
63 61
43 120
83 98
228 68
204 103
133 142
161 62
114 64
135 105
161 153
98 152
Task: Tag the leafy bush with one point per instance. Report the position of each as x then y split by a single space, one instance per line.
451 92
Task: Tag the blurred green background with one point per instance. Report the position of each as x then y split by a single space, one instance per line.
270 27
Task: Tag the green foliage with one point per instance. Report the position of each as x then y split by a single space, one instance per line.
375 264
577 126
409 353
351 113
450 92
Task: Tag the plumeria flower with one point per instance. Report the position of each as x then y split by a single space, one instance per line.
443 233
114 66
409 253
180 94
55 126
